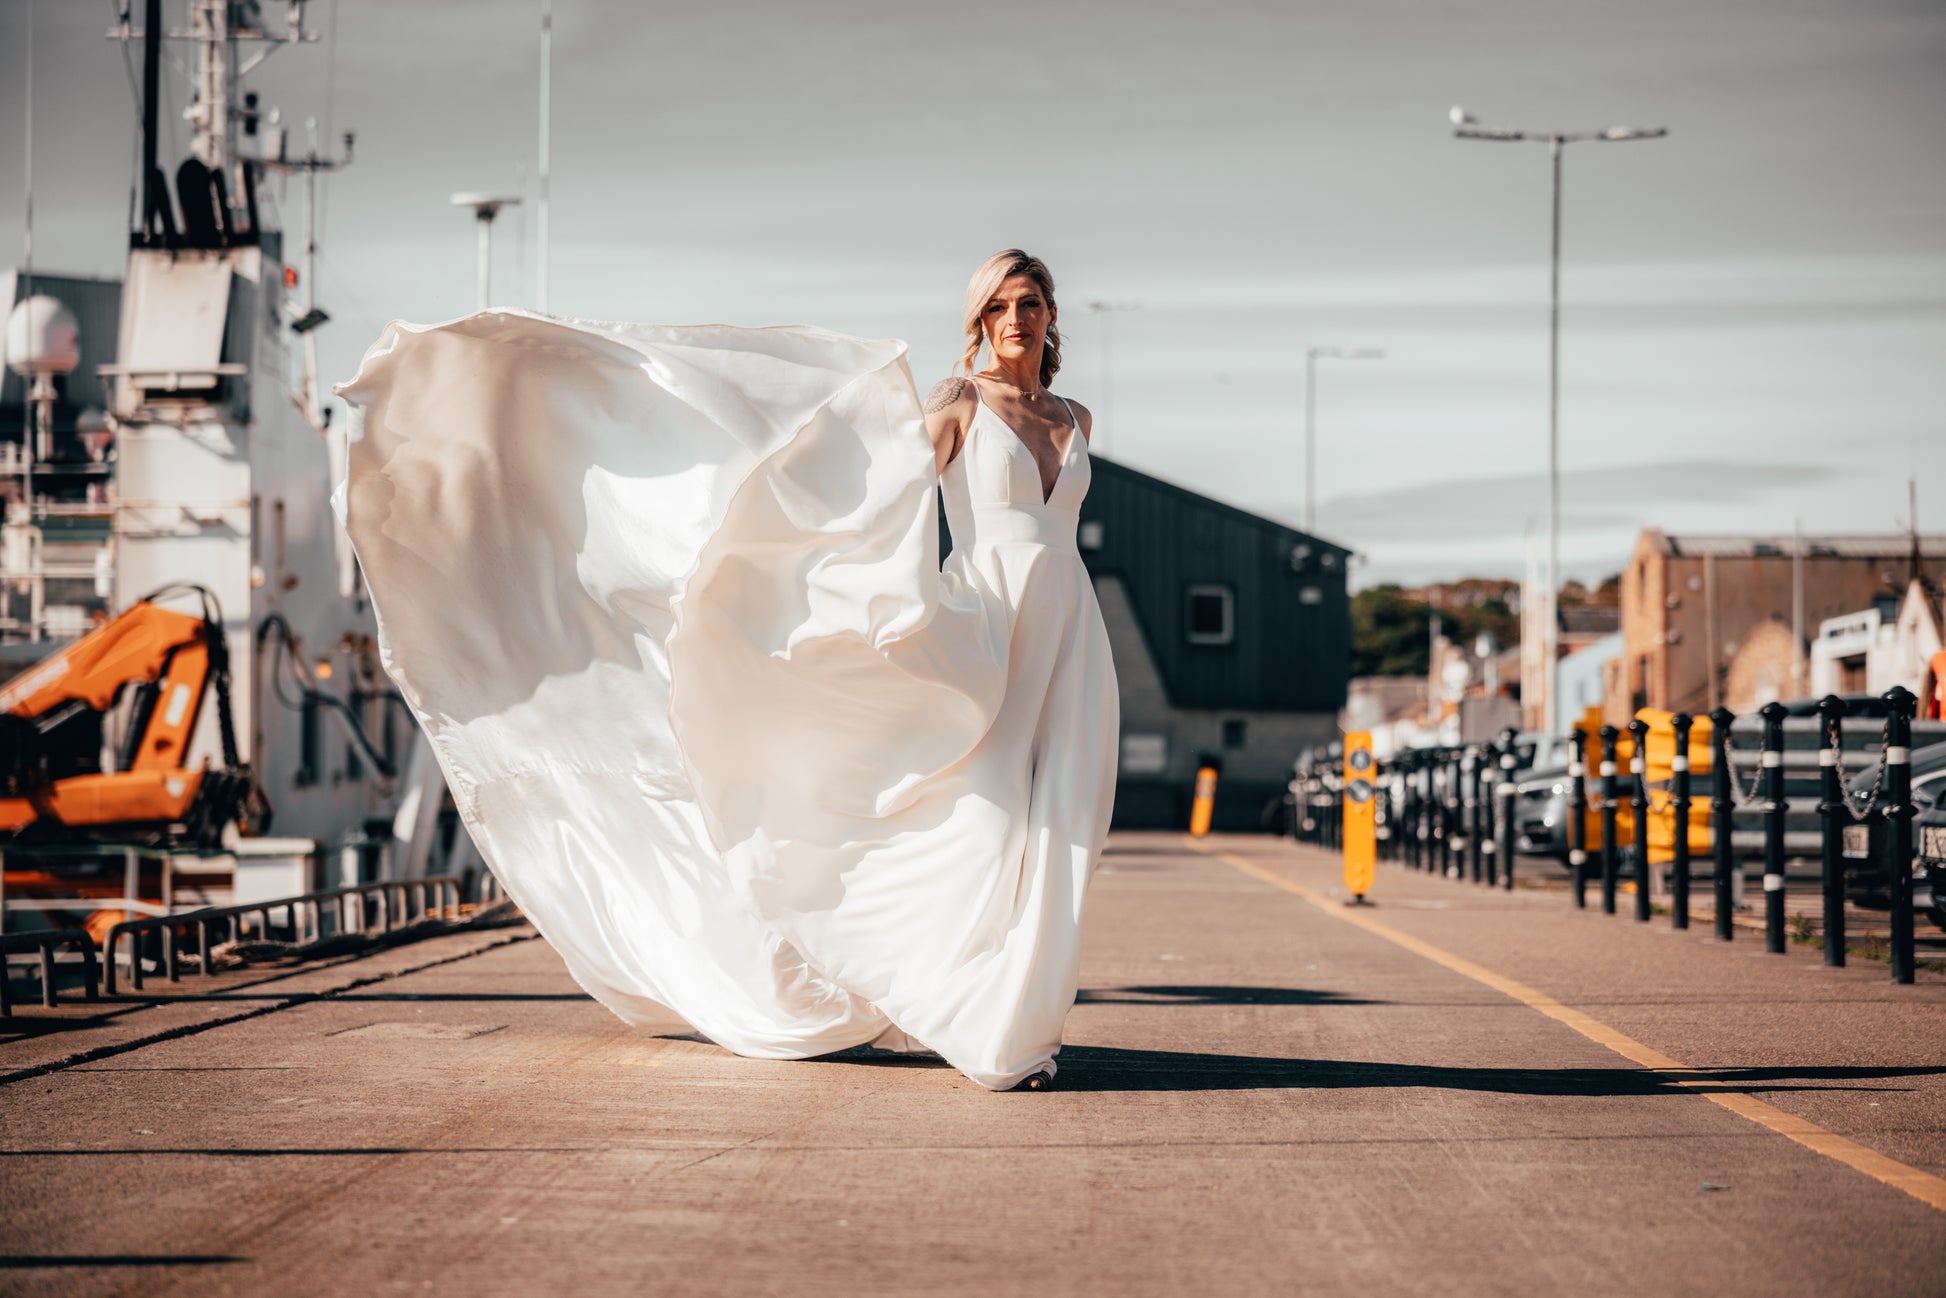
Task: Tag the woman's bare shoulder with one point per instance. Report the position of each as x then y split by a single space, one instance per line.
949 392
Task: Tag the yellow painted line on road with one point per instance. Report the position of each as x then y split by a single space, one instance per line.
1923 1186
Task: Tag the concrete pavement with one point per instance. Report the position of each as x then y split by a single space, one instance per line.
1258 1096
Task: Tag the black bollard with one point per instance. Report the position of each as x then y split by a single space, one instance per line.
1610 867
1417 779
1414 840
1638 801
1774 808
1679 807
1419 812
1489 813
1722 810
1578 815
1456 814
1382 808
1476 796
1395 805
1898 826
1442 816
1389 808
1508 798
1429 794
1832 810
1330 799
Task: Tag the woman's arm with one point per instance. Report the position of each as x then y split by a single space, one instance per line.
949 409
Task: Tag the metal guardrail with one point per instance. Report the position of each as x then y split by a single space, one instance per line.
45 940
349 908
1446 806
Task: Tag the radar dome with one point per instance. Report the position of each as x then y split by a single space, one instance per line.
42 337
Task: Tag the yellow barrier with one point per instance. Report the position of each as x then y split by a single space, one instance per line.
1659 752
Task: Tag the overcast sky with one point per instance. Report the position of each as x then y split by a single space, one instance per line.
1754 321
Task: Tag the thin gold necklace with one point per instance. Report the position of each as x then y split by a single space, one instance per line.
1023 392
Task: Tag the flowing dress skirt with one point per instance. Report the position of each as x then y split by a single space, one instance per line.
667 602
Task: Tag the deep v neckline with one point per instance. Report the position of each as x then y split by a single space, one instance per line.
1061 470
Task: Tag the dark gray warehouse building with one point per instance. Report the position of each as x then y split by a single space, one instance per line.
1231 634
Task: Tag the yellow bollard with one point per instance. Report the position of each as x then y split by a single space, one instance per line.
1205 804
1360 838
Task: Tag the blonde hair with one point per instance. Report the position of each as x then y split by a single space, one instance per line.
985 283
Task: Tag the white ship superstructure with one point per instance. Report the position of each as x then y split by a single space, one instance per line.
190 445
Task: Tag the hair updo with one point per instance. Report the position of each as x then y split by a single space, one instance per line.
985 283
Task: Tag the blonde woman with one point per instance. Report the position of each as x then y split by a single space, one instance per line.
668 605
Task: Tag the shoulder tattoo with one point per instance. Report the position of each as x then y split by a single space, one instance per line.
944 393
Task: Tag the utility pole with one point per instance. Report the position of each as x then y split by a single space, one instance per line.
1105 311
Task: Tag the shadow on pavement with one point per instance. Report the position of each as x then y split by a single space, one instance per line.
351 1151
1216 996
1107 1068
17 1263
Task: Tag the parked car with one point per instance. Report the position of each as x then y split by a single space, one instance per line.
1541 813
1538 751
1864 841
1929 841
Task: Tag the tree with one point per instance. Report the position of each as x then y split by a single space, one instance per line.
1390 633
1391 627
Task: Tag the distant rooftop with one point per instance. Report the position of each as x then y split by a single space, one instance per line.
1584 619
1877 545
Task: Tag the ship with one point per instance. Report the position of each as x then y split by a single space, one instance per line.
194 711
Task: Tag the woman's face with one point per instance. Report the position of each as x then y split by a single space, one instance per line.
1018 316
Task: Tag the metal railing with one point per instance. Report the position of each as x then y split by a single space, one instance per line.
357 909
1442 807
46 940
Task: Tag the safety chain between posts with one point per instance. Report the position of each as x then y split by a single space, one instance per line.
1860 811
1743 801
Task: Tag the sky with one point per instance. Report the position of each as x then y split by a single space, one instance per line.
1753 308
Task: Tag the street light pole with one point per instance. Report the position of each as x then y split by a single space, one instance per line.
1310 439
1465 127
1551 628
1311 355
485 208
547 131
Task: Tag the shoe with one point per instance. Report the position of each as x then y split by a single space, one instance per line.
1041 1081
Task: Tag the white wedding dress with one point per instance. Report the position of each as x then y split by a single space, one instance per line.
668 603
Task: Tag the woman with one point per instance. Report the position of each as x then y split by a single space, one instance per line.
668 604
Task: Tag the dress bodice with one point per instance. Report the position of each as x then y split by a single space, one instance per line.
992 488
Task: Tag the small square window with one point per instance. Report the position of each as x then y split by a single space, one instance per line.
1211 619
1234 730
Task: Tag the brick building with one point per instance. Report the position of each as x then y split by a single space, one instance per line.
1727 619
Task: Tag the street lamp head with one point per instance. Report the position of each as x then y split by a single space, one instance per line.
485 206
1633 133
1460 117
